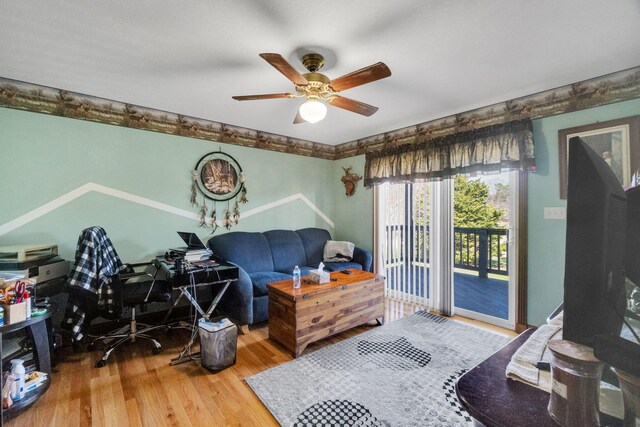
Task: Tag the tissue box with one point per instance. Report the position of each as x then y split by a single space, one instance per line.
319 276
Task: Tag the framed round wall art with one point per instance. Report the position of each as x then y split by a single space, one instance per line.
218 176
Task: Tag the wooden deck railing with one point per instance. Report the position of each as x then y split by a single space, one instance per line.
480 249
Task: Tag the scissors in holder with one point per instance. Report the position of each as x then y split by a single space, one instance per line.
20 290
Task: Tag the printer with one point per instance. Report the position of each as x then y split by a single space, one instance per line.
37 263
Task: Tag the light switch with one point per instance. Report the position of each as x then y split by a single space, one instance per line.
555 213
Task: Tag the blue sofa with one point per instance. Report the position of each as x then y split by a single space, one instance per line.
268 257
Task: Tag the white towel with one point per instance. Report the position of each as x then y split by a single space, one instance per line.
523 363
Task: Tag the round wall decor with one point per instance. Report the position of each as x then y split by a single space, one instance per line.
219 176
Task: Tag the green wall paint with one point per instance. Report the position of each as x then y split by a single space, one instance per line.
354 214
547 237
44 157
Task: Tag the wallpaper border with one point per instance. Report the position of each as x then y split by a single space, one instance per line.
611 88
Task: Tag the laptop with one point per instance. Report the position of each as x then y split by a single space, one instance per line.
194 244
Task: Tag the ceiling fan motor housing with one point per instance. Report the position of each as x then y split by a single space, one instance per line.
318 85
313 62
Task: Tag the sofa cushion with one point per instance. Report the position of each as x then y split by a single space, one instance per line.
249 250
261 279
313 240
337 266
286 249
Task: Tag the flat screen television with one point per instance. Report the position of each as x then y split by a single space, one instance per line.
594 296
632 250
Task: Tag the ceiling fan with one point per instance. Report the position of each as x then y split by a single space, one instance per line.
318 89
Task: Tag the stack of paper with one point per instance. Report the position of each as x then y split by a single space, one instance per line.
34 380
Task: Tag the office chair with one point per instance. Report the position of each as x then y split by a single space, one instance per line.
101 285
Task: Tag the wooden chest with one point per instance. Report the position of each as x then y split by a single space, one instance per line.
298 317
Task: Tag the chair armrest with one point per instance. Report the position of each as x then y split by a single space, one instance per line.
140 264
131 273
125 276
364 258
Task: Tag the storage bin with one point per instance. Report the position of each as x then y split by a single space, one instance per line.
15 313
218 343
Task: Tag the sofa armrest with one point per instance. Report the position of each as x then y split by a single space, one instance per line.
364 258
237 302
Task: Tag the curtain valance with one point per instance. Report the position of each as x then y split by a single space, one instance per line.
503 146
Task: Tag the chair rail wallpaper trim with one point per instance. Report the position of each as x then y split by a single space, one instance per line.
611 88
90 186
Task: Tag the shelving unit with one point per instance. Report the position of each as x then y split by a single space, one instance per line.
38 331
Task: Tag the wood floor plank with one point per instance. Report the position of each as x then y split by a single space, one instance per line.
138 388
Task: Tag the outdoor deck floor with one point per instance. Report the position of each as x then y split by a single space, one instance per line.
487 296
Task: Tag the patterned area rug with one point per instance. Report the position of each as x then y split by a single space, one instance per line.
399 374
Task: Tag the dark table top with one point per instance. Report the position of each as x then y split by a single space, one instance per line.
495 400
220 272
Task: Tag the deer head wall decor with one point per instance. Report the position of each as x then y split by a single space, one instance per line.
350 181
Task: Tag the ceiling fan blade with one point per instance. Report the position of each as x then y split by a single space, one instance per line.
265 96
352 105
362 76
298 119
281 64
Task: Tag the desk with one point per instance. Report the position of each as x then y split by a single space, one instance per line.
220 276
493 400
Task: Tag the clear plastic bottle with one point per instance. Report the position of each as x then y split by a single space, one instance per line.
17 369
296 277
27 300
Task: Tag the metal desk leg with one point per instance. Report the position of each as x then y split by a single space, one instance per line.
216 300
186 355
175 303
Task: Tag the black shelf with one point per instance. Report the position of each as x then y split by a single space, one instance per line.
29 398
17 326
38 330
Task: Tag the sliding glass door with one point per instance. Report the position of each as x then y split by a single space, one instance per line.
450 245
403 240
484 246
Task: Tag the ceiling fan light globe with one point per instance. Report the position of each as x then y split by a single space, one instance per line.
313 111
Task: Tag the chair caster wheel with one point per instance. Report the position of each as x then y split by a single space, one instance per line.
157 350
91 346
100 363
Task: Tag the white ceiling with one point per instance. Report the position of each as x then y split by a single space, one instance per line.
190 57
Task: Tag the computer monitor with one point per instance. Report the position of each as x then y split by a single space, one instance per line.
594 301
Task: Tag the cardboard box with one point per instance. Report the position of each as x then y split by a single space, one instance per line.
15 313
319 276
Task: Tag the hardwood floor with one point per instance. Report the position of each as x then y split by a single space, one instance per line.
137 388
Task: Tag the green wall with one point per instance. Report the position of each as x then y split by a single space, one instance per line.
45 157
547 237
353 214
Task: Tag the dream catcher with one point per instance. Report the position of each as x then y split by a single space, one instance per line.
218 178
